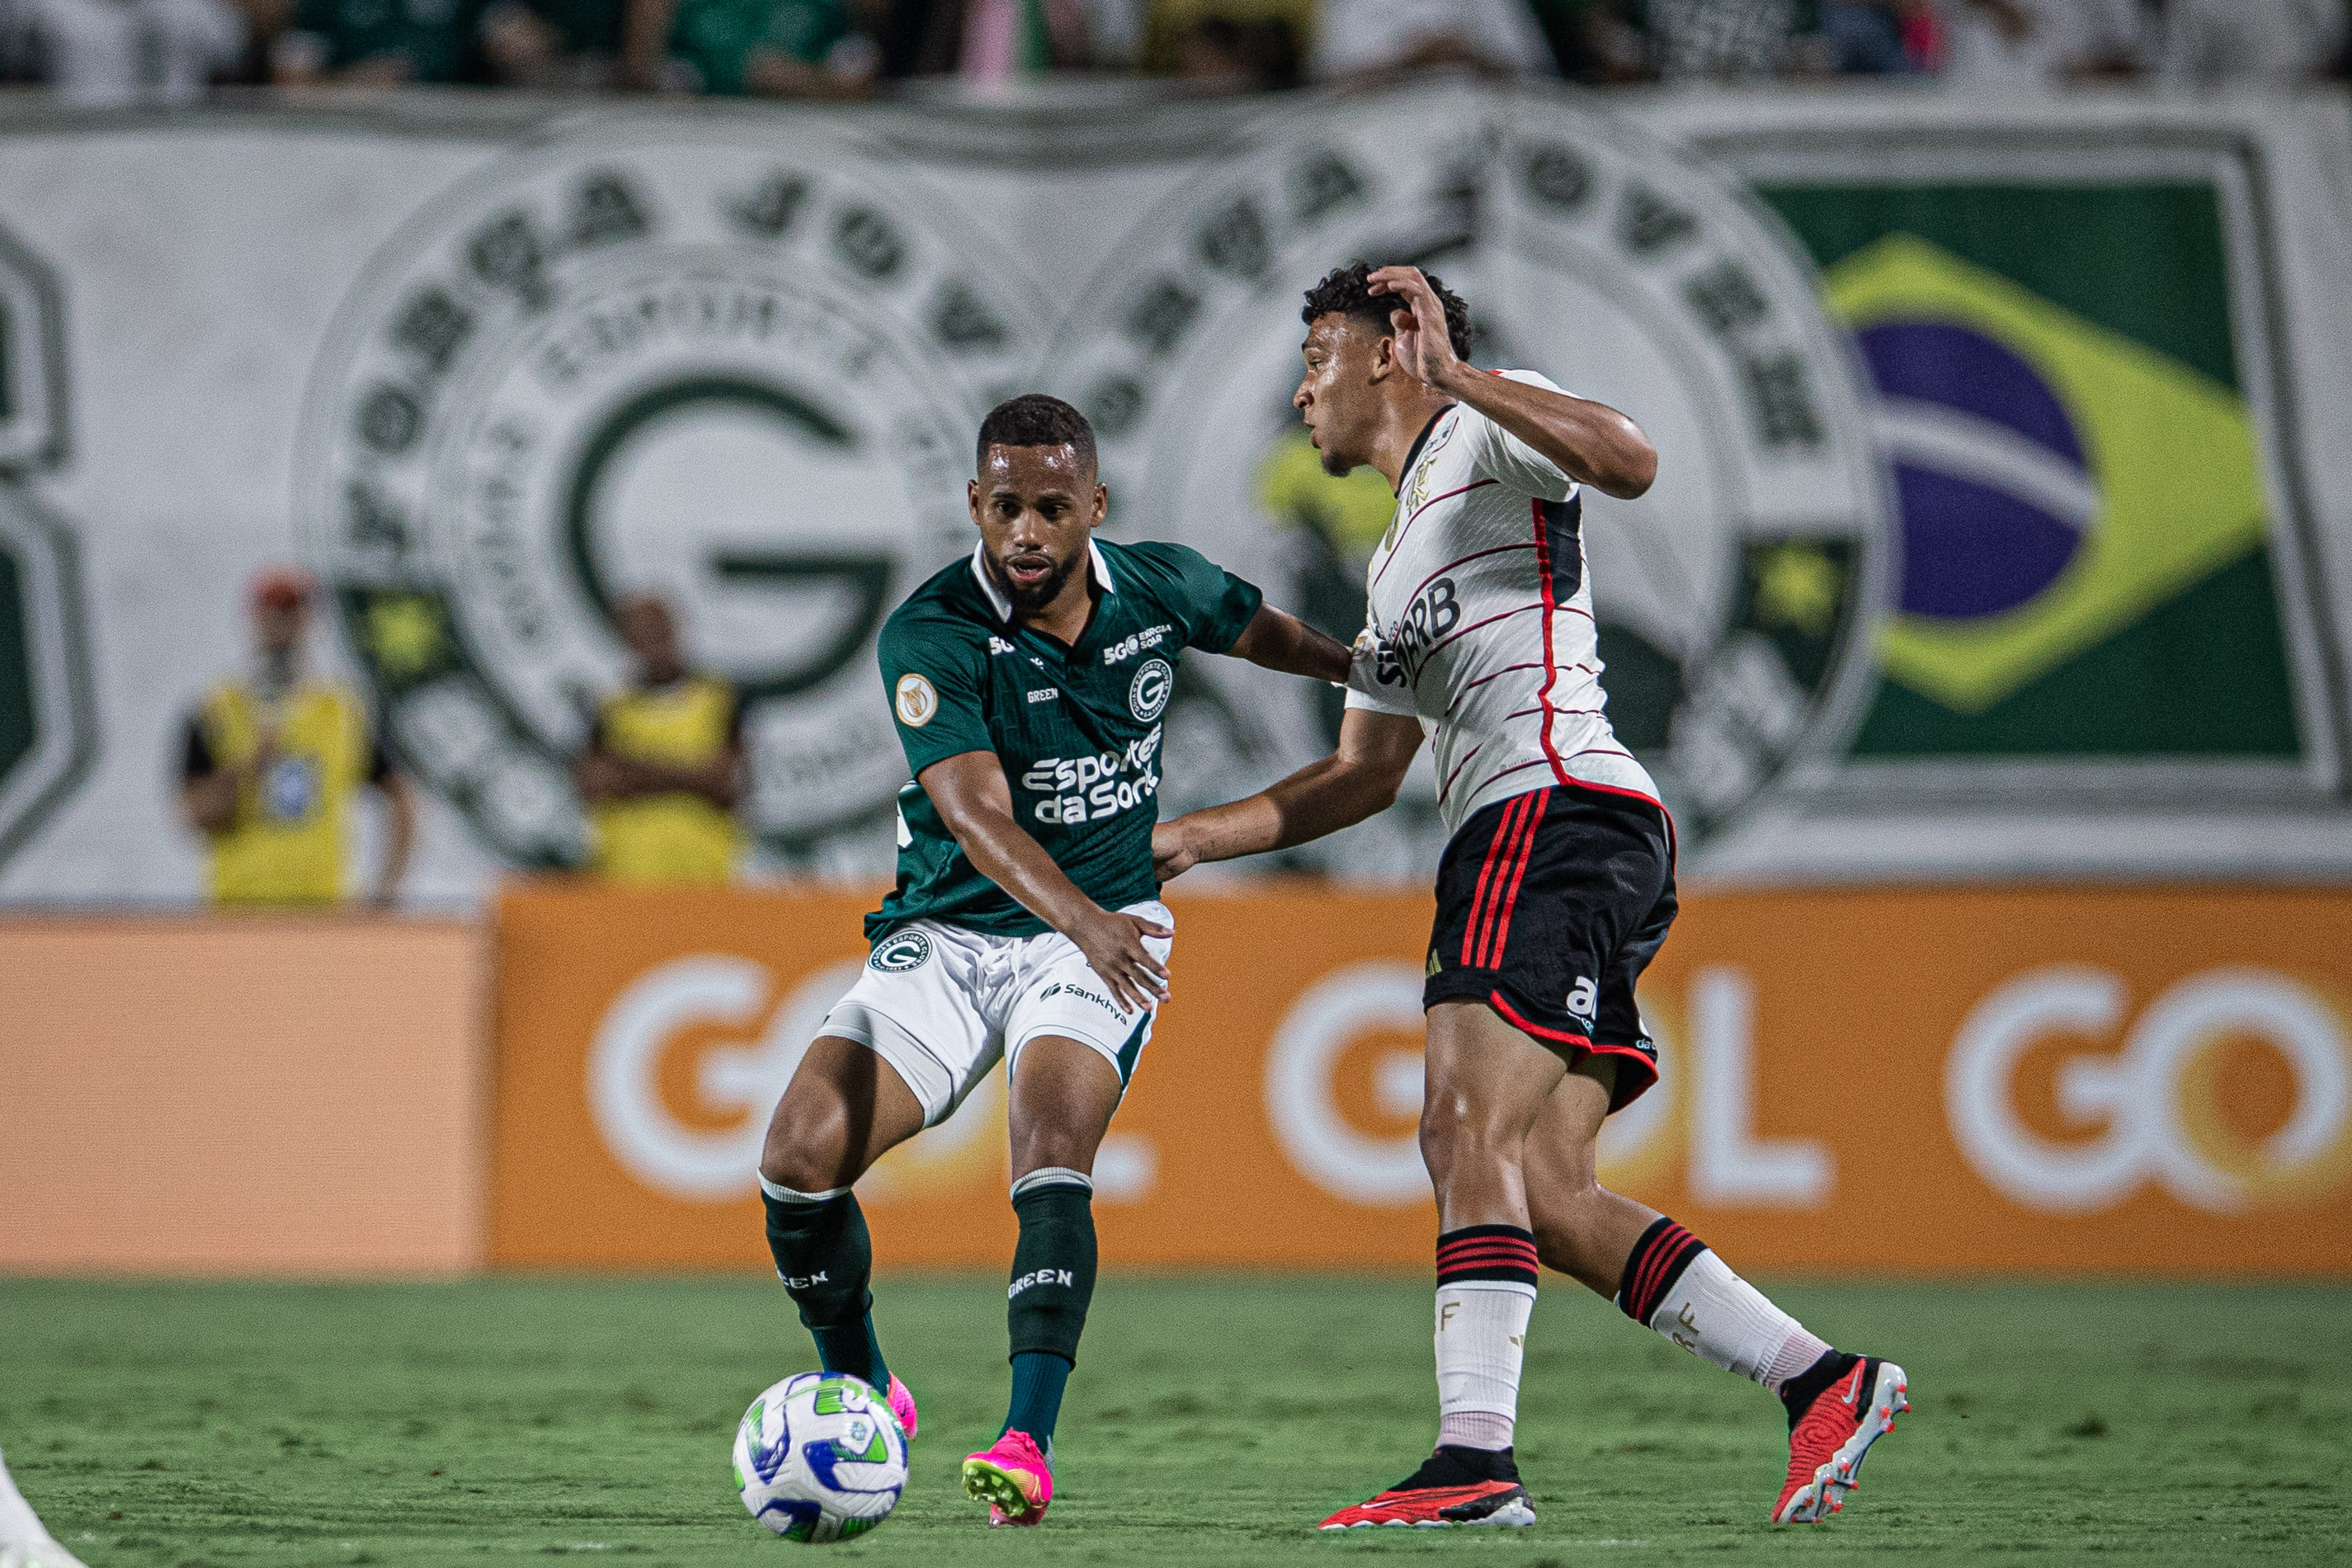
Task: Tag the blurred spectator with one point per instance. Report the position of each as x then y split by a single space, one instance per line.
1879 37
773 48
1742 40
1225 44
663 770
1007 39
1238 54
769 49
1357 38
916 37
378 43
270 762
1599 42
1115 33
554 45
2000 44
2277 44
111 51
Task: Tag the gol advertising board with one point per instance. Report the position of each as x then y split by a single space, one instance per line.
2141 1082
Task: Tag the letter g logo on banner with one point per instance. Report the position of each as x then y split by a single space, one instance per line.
646 1020
2161 1122
1343 1006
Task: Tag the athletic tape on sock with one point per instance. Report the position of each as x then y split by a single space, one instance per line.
784 1194
1052 1176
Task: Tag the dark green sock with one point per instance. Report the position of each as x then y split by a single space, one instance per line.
1038 1379
1052 1283
824 1256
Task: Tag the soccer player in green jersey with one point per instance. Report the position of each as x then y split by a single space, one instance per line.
1029 683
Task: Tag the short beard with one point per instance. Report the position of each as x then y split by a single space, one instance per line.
1029 600
1334 464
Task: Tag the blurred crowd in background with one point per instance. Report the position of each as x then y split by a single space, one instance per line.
100 51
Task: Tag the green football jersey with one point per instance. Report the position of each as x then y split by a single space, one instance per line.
1077 728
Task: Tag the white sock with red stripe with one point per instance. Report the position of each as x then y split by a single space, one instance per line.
1485 1291
1676 1284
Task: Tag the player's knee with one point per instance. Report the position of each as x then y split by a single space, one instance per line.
1048 1144
1456 1132
806 1145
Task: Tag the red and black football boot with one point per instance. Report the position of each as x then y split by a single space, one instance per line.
1832 1432
1455 1485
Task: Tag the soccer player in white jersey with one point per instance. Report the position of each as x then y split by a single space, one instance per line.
1555 891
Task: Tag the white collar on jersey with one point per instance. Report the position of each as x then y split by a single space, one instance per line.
1004 606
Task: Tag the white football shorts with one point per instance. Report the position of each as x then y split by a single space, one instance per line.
940 1004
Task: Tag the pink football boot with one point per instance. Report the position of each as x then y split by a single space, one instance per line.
1011 1476
902 1406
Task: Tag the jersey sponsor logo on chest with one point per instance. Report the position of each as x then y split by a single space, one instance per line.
1089 789
1424 624
1126 648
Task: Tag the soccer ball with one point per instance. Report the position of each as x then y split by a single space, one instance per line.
820 1457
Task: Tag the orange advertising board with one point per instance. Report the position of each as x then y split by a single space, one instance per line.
241 1094
2127 1079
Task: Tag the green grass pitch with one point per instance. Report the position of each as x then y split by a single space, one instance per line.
507 1420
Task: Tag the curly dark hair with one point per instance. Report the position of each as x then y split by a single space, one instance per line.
1348 291
1033 419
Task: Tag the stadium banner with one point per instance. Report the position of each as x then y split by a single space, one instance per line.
2139 1081
241 1095
2004 526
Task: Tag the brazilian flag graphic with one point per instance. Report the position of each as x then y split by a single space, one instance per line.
2084 565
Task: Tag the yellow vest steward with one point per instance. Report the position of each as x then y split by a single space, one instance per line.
290 840
676 838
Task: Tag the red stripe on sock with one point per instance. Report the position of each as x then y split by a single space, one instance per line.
1484 1243
1500 1255
1504 1240
1671 1265
1653 1267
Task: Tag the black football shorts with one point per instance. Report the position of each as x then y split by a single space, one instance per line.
1549 905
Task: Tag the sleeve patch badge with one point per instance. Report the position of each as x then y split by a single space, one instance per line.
917 702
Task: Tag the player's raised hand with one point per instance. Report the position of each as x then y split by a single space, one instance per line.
1113 944
1424 347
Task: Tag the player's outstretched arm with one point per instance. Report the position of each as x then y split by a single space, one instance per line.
1590 442
974 799
1354 782
1278 640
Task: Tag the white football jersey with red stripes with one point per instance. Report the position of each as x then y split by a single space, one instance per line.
1480 603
